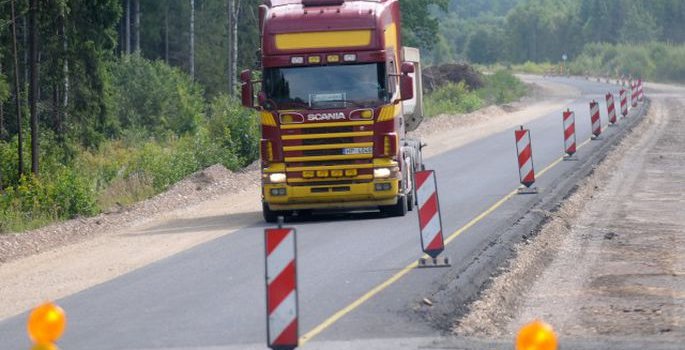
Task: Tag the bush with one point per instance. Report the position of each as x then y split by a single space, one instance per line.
451 98
498 88
160 135
34 202
234 128
155 97
654 61
502 87
451 73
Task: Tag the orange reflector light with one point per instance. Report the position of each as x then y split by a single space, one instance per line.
291 118
361 114
351 172
333 58
536 335
322 173
314 59
269 151
308 174
46 323
336 173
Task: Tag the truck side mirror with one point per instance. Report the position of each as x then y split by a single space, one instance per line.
406 87
407 67
246 92
406 81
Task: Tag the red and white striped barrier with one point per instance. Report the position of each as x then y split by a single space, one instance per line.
633 94
624 102
281 288
569 133
611 108
524 150
430 222
640 91
595 119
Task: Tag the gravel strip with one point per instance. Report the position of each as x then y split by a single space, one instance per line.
203 185
609 265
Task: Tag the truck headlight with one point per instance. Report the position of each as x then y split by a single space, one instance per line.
381 173
277 178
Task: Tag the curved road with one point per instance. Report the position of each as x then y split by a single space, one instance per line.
212 296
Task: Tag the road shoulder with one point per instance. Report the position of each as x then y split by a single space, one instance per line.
609 264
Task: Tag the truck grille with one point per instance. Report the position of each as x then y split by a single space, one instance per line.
328 153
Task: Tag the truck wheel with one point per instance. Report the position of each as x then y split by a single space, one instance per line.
399 209
410 201
270 216
411 196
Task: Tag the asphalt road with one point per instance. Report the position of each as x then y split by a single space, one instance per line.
213 296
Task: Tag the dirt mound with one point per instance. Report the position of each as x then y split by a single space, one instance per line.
436 76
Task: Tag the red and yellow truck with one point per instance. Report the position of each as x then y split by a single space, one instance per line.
337 94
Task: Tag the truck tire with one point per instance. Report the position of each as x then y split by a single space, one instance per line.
271 216
399 209
410 201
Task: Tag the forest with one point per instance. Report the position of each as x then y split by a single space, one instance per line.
636 37
107 102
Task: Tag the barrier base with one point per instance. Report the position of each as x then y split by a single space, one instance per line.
434 262
570 158
527 190
612 124
595 138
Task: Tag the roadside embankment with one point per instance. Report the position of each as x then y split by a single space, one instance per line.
609 266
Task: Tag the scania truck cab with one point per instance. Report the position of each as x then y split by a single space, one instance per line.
336 96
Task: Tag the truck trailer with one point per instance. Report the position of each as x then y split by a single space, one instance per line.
336 96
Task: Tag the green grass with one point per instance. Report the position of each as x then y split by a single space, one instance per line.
456 98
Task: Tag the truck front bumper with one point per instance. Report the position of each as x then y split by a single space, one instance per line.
344 196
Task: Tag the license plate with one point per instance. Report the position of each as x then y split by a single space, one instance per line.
357 150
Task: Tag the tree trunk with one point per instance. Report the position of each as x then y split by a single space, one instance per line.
25 39
233 14
33 87
65 69
136 29
2 121
127 27
17 92
166 32
192 39
56 122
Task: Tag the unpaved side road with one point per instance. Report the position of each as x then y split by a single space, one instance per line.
66 258
608 271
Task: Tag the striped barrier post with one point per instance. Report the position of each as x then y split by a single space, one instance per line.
569 119
430 221
640 91
524 151
633 94
596 120
611 108
624 102
281 288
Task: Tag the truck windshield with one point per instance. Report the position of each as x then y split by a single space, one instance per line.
320 87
